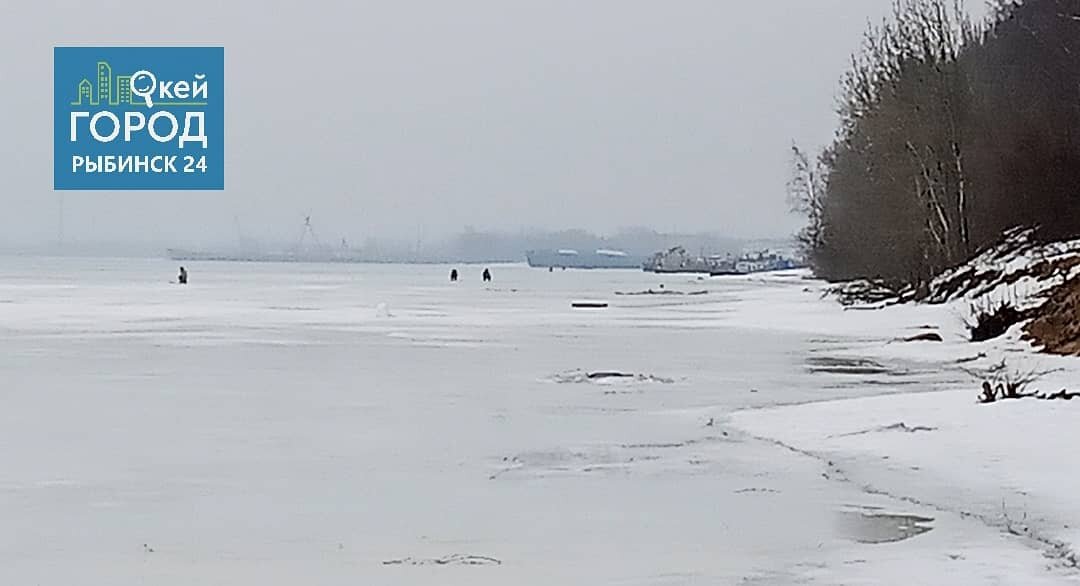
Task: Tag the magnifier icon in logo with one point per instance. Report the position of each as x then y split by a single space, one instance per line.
142 84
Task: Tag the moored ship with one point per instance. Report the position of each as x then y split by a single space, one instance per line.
572 259
677 260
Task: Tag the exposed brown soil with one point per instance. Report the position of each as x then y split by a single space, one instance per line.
1056 326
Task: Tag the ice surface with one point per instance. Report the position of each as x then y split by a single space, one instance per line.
305 424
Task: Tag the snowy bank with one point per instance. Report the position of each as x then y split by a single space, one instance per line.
1008 464
941 451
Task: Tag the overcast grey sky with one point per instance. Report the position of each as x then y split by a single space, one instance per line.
382 117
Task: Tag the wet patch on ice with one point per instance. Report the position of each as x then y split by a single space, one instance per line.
622 459
586 410
756 490
154 320
822 343
683 310
970 359
623 391
546 462
429 312
606 377
864 384
902 427
845 365
660 292
656 446
450 560
873 527
860 372
437 340
799 573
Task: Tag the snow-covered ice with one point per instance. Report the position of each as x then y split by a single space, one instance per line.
305 424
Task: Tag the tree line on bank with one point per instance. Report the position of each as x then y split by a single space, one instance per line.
951 131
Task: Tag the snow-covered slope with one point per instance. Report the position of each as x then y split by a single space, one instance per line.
1018 268
1008 465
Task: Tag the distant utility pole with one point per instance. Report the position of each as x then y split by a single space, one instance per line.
419 241
60 221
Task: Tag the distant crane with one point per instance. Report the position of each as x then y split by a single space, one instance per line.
308 229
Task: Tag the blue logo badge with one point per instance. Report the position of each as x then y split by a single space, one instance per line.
139 118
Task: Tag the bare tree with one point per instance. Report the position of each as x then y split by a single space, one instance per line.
806 195
950 132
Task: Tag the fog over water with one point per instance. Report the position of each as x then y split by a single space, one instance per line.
414 120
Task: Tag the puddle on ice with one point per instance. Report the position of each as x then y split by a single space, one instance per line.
450 560
841 365
876 528
861 373
611 459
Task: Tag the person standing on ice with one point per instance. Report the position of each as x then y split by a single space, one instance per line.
487 276
453 275
182 279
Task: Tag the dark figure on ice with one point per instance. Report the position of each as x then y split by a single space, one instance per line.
182 279
453 276
487 276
